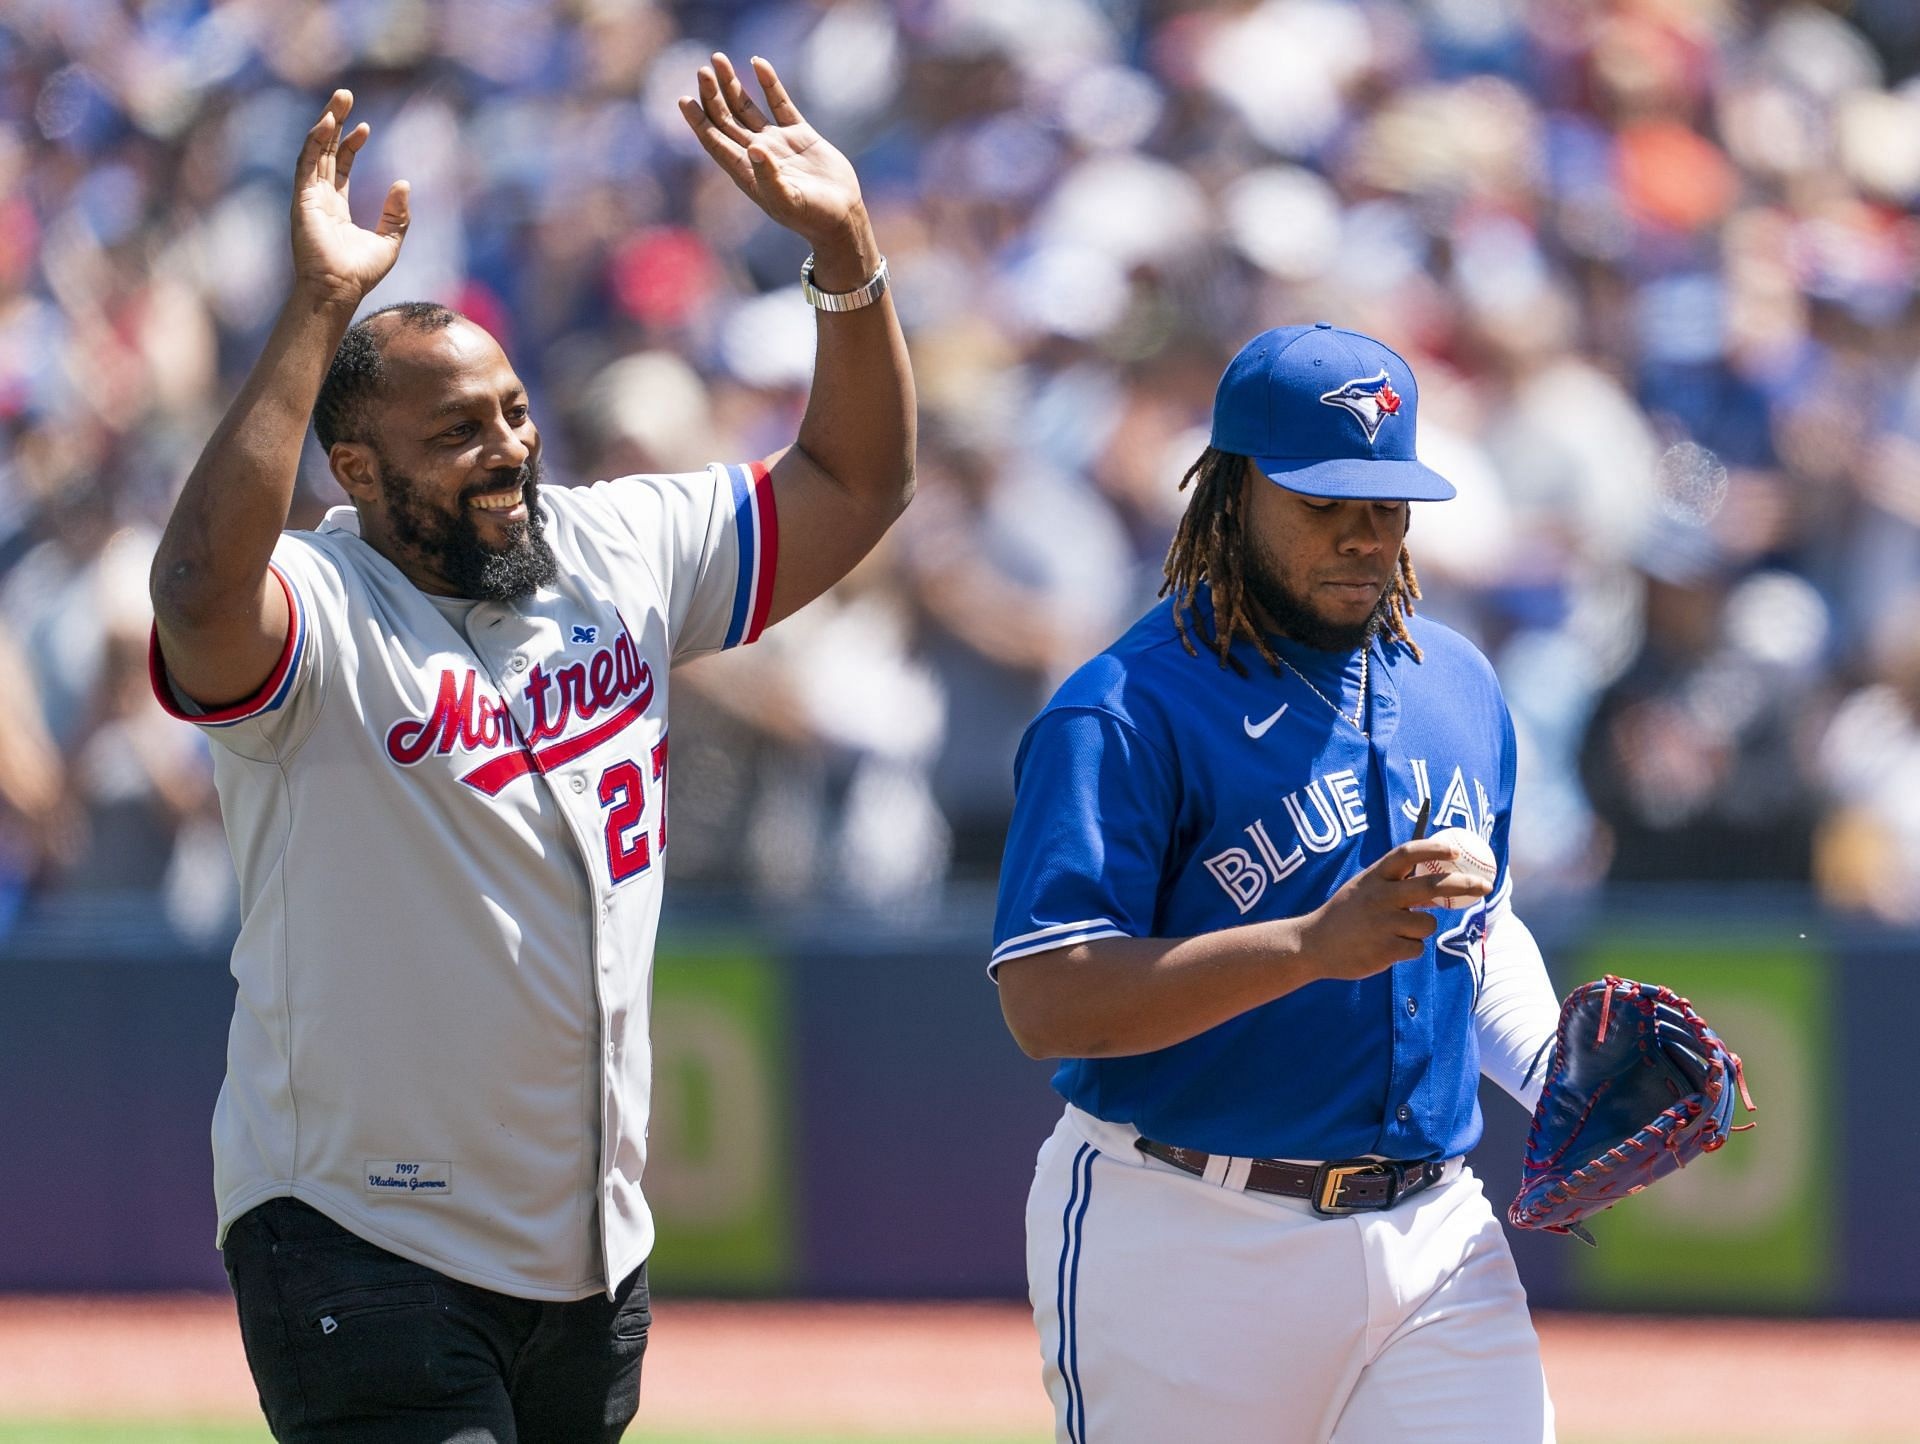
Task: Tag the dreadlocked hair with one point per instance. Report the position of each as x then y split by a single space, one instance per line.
1211 547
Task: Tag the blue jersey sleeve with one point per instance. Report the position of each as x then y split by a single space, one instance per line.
1093 816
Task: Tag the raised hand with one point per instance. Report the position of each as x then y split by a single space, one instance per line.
772 154
330 253
1378 918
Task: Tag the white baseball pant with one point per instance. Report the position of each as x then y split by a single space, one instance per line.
1170 1307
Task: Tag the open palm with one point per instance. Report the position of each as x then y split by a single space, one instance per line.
772 154
329 250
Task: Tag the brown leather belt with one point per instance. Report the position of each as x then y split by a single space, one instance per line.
1355 1185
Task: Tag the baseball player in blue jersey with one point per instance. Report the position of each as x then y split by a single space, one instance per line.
1273 992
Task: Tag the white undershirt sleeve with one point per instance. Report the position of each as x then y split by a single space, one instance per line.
1517 1013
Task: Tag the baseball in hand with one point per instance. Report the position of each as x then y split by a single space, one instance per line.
1474 858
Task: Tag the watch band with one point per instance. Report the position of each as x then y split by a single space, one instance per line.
865 294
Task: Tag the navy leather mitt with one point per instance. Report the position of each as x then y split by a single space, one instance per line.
1637 1086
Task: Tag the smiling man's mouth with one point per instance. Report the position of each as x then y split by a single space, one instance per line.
499 500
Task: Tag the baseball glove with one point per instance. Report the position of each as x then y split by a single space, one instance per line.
1637 1086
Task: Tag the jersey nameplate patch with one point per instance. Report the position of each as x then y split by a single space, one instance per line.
409 1175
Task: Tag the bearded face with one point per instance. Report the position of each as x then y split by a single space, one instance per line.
1292 612
449 543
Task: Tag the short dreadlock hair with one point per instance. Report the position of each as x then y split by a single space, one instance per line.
1211 547
358 369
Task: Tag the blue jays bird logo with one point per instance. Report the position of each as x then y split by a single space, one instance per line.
1371 401
1468 940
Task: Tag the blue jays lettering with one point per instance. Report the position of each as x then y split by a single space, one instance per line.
1325 813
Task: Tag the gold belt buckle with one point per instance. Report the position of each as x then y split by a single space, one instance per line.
1333 1180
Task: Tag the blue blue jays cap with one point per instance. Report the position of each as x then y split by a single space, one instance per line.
1325 412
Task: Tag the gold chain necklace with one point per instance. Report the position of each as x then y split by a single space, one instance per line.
1360 708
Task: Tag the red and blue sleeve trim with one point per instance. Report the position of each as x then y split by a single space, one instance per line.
271 693
758 530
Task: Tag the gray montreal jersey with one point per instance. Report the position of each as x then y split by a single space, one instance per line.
448 832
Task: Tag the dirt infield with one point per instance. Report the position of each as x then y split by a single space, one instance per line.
860 1369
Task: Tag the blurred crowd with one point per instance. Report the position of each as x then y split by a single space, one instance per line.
1652 260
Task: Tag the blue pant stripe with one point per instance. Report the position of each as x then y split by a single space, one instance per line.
1060 1288
1076 1392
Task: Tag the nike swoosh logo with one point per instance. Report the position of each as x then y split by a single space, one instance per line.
1257 730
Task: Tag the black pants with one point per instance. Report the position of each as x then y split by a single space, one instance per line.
350 1343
